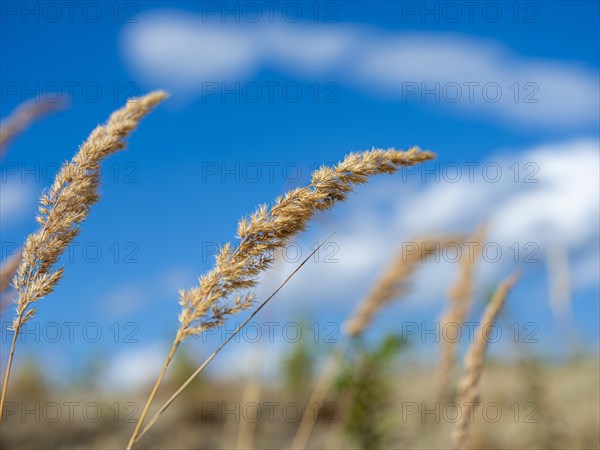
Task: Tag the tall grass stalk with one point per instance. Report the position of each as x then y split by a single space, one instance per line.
223 291
63 208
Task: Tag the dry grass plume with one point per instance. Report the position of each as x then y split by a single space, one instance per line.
217 294
64 207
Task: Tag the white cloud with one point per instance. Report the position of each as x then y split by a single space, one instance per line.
131 370
512 87
16 198
180 51
172 49
563 206
307 50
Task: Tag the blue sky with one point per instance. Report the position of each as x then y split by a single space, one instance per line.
166 199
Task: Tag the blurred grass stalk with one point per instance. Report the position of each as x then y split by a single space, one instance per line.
474 361
393 284
251 395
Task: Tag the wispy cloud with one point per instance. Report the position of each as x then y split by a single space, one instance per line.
131 369
180 51
16 199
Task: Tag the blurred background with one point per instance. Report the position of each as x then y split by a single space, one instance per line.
263 93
